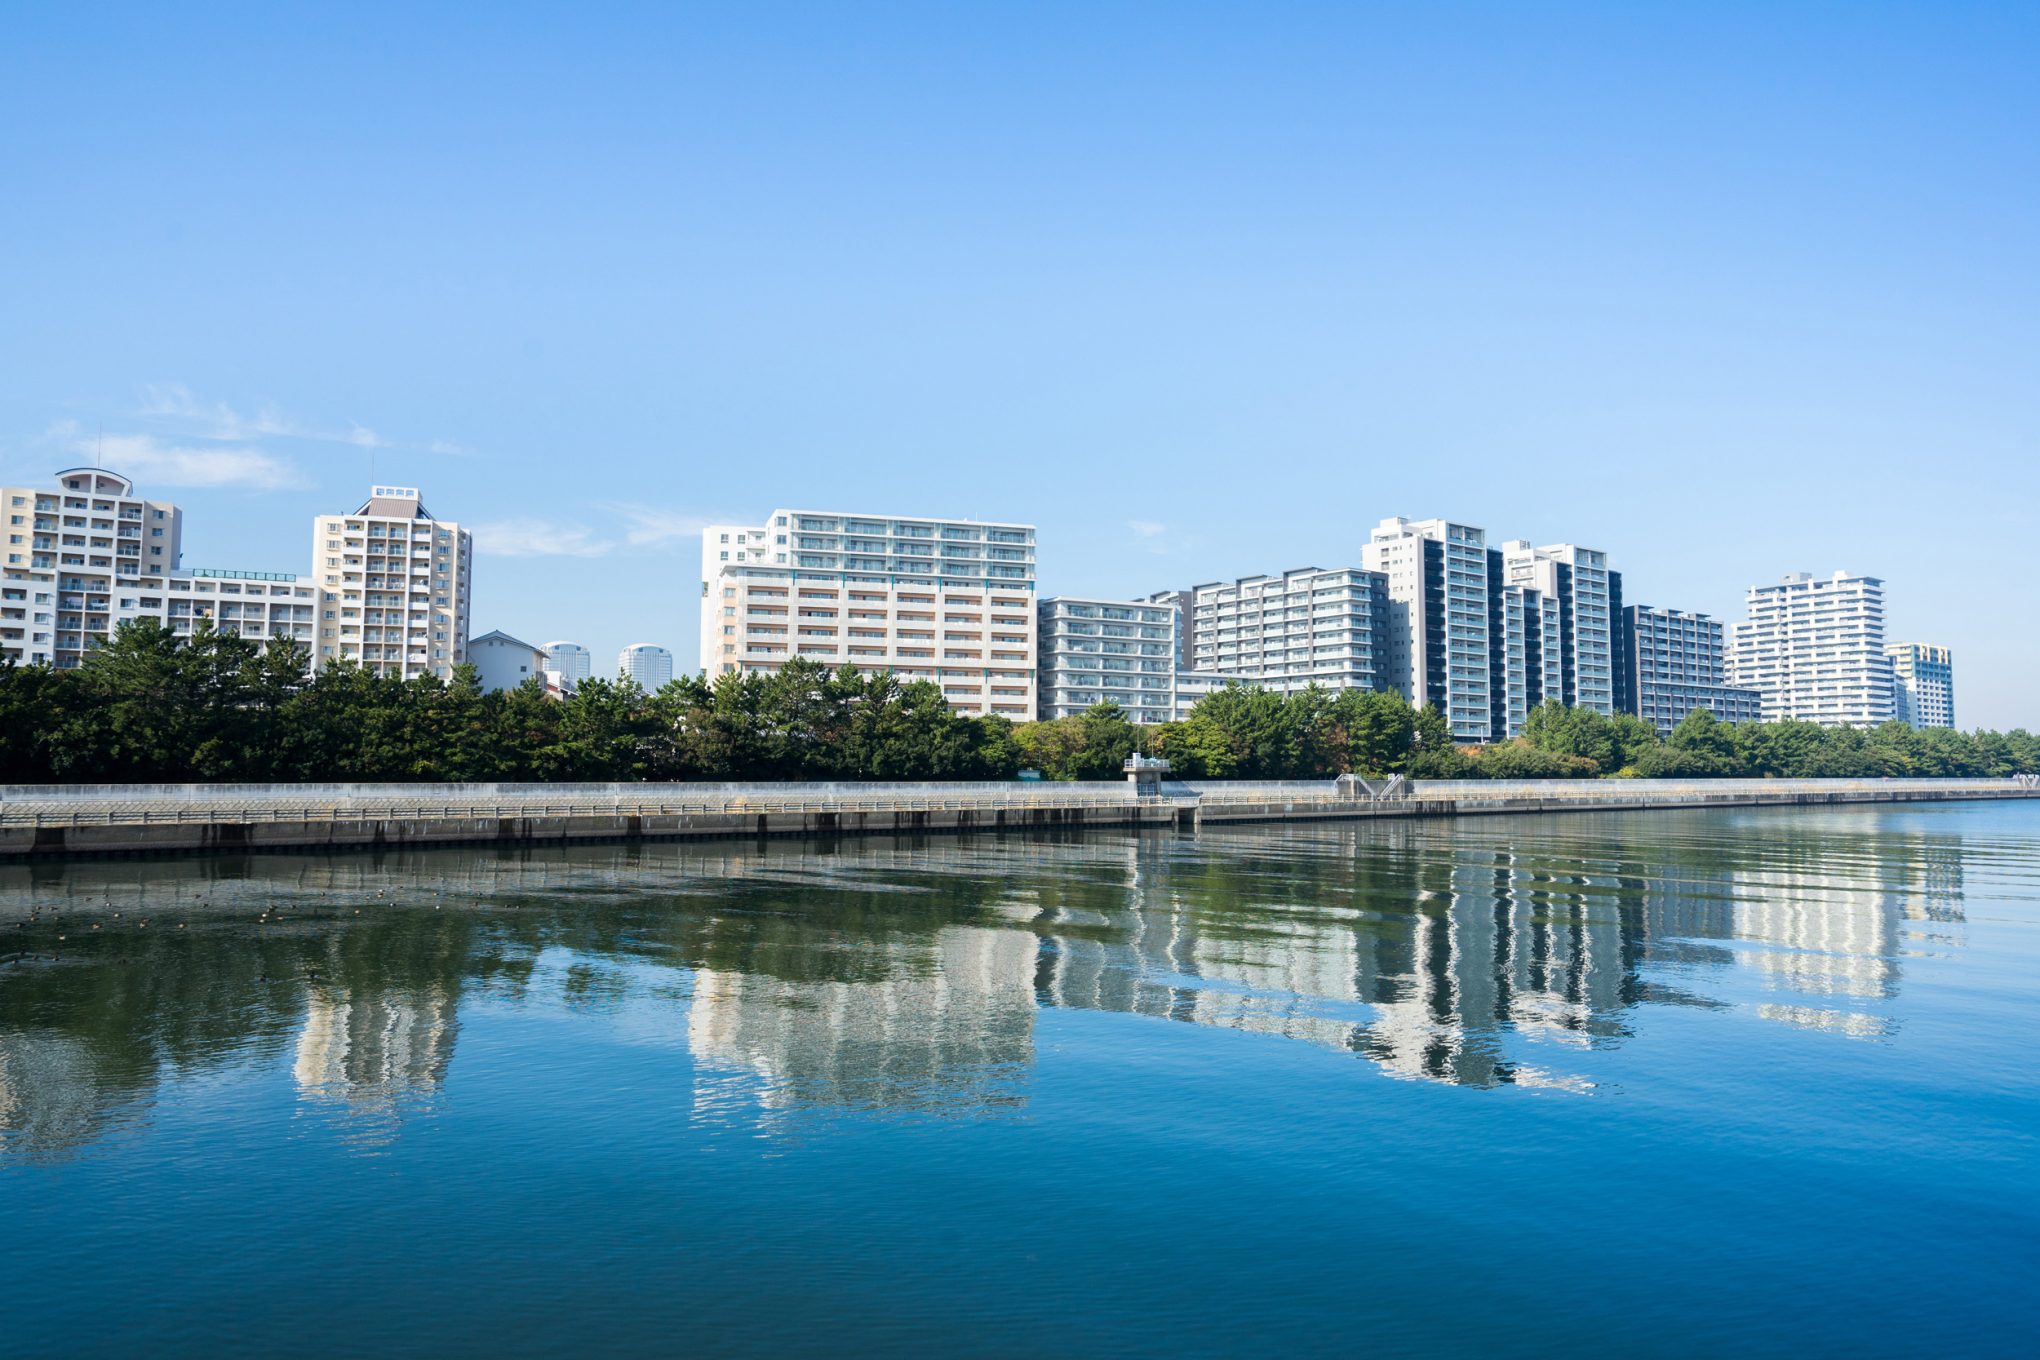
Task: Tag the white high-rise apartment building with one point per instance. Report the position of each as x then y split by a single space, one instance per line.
1107 652
1285 633
1437 635
647 663
1192 686
87 554
1587 596
1814 650
1674 663
570 661
394 585
1923 683
947 601
76 557
1525 653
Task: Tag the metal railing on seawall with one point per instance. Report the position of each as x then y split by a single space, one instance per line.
90 805
82 805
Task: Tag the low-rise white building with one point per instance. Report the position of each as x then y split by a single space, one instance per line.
505 662
1923 683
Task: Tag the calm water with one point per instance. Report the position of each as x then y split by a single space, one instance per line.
1753 1083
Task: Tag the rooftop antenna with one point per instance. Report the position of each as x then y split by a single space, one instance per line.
99 450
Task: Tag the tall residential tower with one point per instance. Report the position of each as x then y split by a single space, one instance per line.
1436 642
1922 683
1814 650
394 584
1587 595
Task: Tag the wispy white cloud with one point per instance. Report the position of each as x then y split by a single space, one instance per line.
651 527
176 406
150 460
638 526
530 537
1152 536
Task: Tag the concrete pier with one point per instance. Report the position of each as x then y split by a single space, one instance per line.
40 820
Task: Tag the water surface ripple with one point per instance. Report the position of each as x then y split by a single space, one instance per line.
1752 1082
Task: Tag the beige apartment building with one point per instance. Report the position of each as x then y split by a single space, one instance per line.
87 554
394 585
947 601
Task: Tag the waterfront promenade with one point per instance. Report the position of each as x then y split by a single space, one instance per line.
119 818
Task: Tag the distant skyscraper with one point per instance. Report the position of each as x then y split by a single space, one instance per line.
1675 663
1814 650
1923 683
394 586
1436 640
648 664
569 660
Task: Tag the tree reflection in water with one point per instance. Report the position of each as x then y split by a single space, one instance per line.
903 976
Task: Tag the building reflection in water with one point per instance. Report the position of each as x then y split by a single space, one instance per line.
1831 932
377 1055
1509 957
947 1028
907 975
1426 992
53 1097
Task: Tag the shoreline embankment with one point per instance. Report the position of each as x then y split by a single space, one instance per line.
100 819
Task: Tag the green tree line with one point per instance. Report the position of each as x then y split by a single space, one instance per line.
149 707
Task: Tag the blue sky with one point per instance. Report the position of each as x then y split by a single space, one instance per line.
1728 290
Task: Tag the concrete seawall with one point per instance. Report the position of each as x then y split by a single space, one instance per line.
39 820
